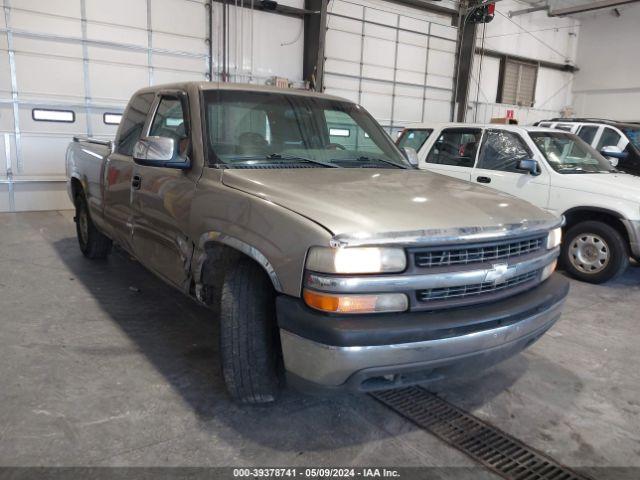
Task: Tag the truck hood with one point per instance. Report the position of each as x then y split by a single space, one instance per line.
616 185
373 201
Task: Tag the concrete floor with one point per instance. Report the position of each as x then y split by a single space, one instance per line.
103 364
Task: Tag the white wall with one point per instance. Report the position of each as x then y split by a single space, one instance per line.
534 36
57 54
262 45
396 61
608 83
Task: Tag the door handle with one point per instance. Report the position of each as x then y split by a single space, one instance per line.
136 182
483 180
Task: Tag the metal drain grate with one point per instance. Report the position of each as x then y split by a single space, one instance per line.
496 450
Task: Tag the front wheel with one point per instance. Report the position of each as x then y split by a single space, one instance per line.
249 340
594 252
93 243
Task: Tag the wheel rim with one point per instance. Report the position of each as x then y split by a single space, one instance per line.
589 253
83 223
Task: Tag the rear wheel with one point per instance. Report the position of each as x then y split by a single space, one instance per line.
594 252
93 244
249 341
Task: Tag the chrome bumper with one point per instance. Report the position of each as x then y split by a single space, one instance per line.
331 366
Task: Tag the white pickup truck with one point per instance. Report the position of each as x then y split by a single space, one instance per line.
552 169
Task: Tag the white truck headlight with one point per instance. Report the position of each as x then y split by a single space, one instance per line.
356 260
554 239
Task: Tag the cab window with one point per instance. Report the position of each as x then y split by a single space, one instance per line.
414 138
502 150
609 138
169 121
456 147
133 122
588 133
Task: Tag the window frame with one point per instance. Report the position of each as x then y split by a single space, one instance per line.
501 79
461 130
520 138
118 140
588 125
104 118
179 95
406 132
55 110
213 160
598 147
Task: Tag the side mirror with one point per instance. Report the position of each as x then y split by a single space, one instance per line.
411 155
530 166
159 152
613 151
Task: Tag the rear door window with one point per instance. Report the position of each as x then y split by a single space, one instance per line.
456 147
133 122
609 138
588 133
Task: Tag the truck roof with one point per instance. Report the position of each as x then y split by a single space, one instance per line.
244 87
495 126
604 121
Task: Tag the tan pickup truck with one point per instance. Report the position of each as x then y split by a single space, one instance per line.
328 256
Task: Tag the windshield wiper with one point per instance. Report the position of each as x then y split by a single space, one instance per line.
280 156
277 159
364 158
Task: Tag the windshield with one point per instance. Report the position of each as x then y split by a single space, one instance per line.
263 129
567 153
414 138
633 134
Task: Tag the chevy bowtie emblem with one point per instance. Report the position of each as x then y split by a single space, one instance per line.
499 273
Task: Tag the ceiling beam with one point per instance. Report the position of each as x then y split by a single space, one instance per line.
564 67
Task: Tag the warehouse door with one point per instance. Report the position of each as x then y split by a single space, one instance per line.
68 67
396 61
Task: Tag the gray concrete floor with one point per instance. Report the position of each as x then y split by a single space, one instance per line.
103 364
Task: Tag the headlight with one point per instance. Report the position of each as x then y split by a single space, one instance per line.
554 239
378 303
548 270
356 260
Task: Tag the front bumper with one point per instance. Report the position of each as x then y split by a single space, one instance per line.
383 351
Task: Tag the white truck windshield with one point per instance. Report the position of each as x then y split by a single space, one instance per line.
566 153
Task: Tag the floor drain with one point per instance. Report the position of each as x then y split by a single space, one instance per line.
496 450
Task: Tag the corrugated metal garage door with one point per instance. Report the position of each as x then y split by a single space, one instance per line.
79 61
396 61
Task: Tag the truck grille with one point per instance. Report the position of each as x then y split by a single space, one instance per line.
479 253
447 294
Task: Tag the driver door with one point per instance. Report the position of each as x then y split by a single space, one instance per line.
500 154
162 195
454 152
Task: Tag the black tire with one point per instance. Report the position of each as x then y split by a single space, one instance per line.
249 340
609 242
93 244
